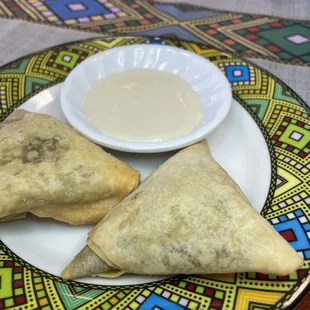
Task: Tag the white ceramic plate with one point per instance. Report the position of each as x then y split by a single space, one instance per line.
204 77
50 245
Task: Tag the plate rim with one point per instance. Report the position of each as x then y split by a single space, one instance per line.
294 94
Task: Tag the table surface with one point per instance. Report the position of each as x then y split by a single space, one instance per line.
304 304
19 38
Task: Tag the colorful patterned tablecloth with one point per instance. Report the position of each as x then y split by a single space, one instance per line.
246 35
242 35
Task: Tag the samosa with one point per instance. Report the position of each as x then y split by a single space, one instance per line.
187 217
48 169
13 217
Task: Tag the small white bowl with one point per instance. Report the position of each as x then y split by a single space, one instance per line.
206 79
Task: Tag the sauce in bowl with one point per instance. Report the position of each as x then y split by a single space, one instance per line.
143 105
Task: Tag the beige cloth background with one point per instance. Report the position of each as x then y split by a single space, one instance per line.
19 38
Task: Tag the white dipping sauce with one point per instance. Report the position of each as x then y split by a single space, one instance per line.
142 105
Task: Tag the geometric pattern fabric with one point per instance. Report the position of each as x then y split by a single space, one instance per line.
247 35
283 119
